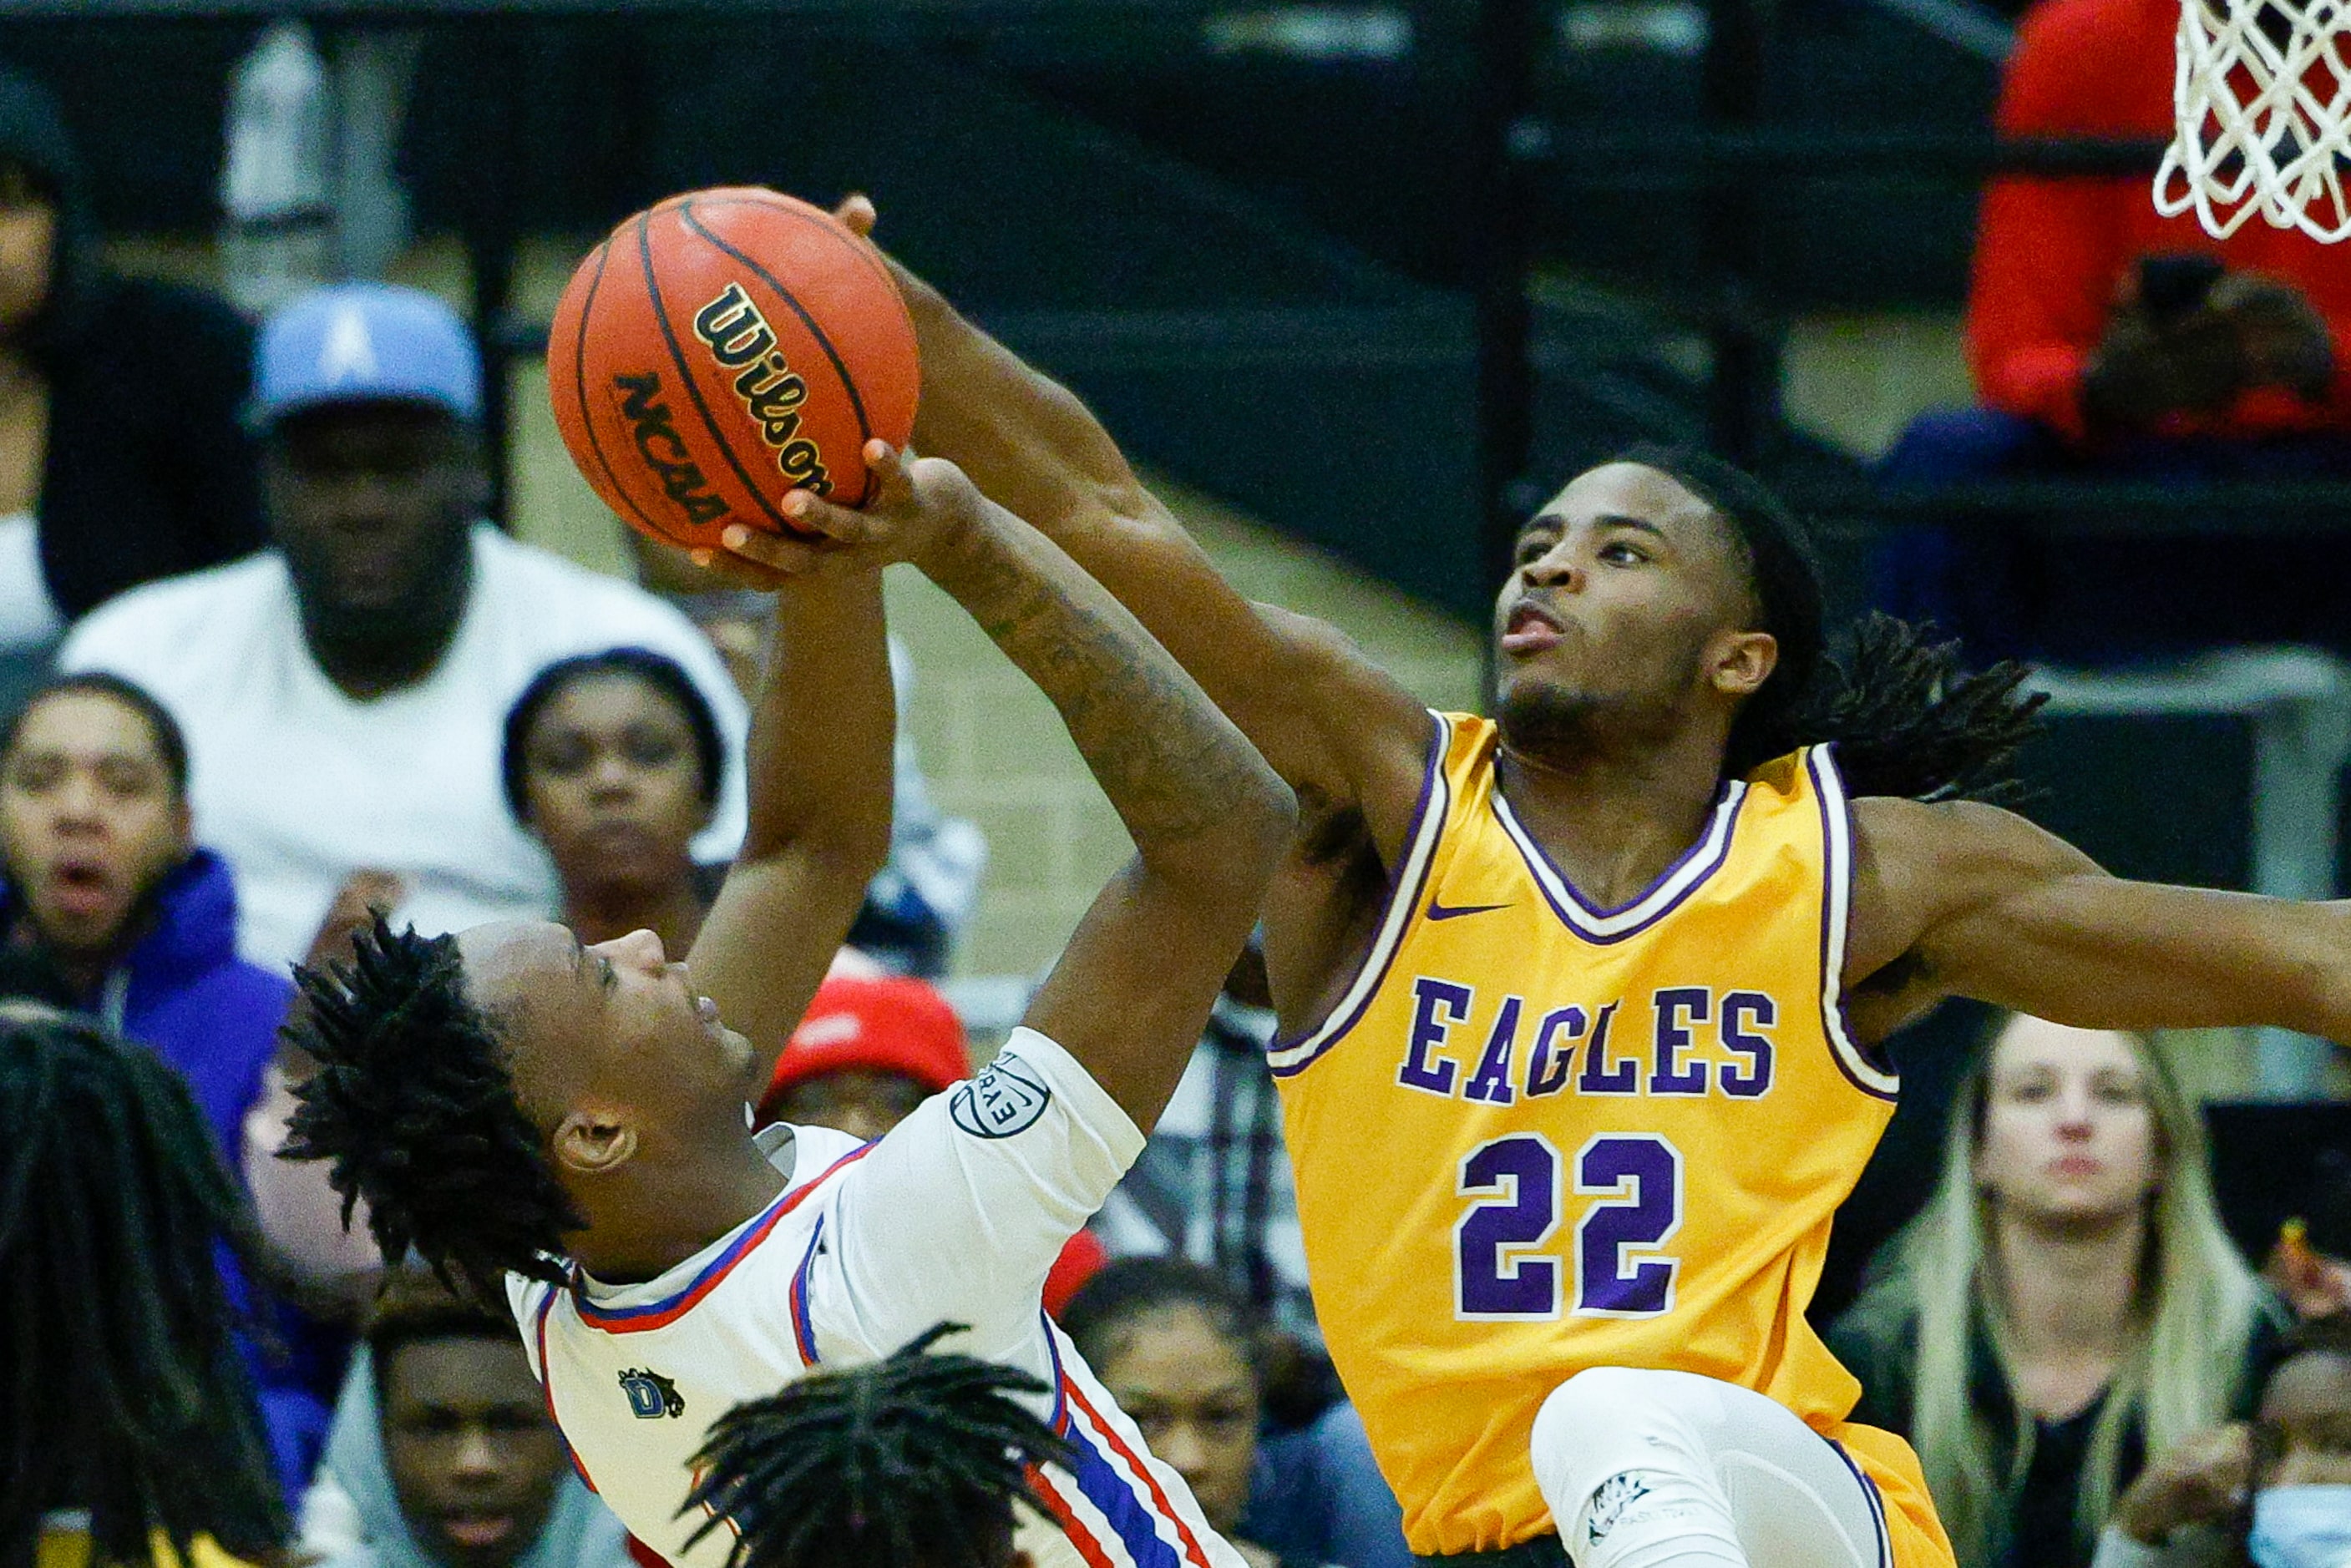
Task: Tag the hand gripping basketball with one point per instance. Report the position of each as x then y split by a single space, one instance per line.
916 508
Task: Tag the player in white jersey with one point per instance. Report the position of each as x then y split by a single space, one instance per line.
509 1102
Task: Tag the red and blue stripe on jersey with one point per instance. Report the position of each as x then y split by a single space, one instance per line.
803 1328
1116 1514
661 1313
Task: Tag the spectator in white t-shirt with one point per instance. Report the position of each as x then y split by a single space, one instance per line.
344 694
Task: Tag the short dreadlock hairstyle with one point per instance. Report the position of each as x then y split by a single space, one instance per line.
1906 719
124 1388
916 1461
413 1103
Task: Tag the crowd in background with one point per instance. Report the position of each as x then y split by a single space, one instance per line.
2106 339
269 668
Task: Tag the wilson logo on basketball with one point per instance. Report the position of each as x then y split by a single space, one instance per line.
740 339
664 449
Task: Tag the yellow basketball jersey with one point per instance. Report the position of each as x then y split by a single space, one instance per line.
1536 1136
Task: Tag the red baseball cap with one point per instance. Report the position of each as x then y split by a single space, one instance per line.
884 1023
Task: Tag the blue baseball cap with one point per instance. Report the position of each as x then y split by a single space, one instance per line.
364 343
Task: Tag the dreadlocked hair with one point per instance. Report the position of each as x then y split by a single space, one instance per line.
412 1102
1906 719
916 1461
124 1392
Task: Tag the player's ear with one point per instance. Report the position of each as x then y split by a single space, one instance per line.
1742 661
593 1142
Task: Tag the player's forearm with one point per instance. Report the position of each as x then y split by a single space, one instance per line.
1025 440
1035 449
2100 952
821 736
2319 963
1032 447
1203 807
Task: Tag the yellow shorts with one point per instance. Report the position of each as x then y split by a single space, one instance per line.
1912 1532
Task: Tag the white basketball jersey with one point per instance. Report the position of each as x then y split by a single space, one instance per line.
954 1216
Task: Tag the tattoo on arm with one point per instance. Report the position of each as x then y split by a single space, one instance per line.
1166 757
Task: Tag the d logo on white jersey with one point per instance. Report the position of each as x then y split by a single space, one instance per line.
651 1396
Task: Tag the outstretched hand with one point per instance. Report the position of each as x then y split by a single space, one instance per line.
919 505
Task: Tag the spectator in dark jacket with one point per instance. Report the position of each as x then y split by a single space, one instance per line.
110 908
106 888
123 457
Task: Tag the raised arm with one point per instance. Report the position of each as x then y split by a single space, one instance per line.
1963 899
1332 723
818 826
1209 818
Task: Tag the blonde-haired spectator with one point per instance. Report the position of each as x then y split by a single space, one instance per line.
2067 1300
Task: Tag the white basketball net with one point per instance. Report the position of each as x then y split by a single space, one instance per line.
2263 93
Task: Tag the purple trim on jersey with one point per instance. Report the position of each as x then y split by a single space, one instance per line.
1440 743
803 1329
1816 759
1877 1505
1722 830
661 1313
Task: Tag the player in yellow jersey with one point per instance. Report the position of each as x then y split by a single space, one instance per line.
1578 1002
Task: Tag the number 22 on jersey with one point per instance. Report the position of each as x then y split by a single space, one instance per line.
1503 1268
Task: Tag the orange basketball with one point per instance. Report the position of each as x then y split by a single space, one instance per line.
722 349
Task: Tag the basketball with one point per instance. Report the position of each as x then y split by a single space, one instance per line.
722 349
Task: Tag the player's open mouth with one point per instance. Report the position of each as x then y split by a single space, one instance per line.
1531 629
82 887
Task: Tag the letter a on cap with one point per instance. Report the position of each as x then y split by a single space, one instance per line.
348 353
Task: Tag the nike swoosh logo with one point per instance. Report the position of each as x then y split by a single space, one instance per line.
1438 911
